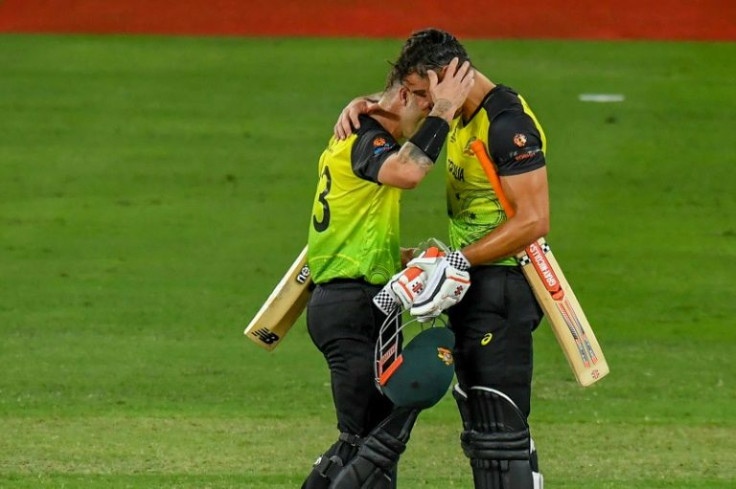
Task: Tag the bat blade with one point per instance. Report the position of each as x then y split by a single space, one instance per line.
554 294
564 313
283 307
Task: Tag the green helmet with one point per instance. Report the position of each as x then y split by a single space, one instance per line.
419 374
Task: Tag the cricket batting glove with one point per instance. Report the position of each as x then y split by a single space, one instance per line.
401 290
447 283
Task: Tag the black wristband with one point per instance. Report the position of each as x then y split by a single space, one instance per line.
431 136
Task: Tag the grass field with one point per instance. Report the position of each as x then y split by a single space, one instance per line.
153 190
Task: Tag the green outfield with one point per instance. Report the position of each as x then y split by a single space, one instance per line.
155 189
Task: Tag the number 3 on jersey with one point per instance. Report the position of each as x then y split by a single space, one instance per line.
320 226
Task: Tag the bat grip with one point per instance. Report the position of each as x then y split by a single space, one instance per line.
490 170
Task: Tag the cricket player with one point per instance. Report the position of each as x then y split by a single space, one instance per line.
493 324
353 252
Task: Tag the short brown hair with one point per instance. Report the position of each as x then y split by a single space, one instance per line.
428 49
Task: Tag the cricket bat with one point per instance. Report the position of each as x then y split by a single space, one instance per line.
283 307
554 294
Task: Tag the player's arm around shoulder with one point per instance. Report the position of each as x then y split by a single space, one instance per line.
349 121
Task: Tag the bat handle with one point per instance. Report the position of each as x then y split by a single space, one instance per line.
490 170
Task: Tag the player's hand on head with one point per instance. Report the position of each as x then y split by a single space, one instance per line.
449 94
348 119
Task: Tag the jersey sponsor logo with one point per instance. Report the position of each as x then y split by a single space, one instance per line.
527 155
519 140
445 355
456 171
486 339
380 148
380 145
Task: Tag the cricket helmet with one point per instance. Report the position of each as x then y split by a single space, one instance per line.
419 374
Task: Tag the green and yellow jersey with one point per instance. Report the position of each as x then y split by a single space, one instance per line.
515 142
354 230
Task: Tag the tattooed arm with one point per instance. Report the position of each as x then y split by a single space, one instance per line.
406 168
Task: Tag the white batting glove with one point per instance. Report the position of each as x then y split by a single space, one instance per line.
428 260
401 290
411 282
446 285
